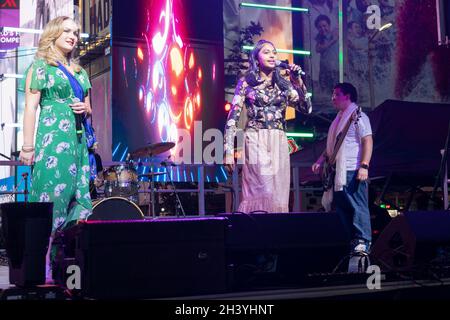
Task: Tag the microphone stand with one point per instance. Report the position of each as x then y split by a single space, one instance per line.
25 190
178 201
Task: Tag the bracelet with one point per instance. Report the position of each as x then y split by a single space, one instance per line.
27 149
364 166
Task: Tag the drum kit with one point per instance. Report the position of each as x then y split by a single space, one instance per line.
122 183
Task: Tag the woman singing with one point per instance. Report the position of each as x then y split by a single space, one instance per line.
265 92
59 155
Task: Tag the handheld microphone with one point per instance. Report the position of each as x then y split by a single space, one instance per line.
78 121
284 64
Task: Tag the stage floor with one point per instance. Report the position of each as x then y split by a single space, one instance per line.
390 290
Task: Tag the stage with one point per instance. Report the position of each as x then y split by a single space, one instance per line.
389 291
241 257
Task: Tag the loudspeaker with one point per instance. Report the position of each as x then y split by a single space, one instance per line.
148 258
26 230
277 249
413 240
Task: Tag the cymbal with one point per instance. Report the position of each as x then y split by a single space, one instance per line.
152 149
151 174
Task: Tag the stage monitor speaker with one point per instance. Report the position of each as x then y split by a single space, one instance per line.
413 241
26 230
282 249
149 258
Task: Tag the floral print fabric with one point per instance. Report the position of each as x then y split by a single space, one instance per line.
266 108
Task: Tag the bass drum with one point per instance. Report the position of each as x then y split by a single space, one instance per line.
115 208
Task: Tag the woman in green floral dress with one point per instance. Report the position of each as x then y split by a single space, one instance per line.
60 157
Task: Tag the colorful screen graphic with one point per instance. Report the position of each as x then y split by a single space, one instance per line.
167 71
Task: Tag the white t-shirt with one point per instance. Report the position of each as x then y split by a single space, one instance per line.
352 142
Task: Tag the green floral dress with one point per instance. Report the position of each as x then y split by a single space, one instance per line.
61 170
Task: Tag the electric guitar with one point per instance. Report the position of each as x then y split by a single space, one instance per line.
329 165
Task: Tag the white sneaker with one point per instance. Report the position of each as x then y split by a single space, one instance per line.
361 247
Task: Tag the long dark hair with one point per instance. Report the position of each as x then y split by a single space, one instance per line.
252 76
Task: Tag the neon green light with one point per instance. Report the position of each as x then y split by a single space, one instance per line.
341 42
302 52
300 134
265 6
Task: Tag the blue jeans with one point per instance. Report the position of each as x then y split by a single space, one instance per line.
352 206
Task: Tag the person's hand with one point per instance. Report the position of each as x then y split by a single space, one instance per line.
98 181
363 174
80 108
26 157
295 68
316 167
295 74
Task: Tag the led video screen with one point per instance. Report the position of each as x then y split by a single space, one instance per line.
167 71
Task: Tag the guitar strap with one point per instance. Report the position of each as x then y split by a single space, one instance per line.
341 137
327 197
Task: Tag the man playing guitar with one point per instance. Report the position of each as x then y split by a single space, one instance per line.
348 151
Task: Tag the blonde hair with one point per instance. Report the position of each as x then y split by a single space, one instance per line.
47 49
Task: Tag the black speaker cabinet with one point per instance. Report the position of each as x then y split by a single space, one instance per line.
26 230
412 241
277 249
149 258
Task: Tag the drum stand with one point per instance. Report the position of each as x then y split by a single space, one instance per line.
178 204
151 150
15 192
25 190
151 206
24 179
